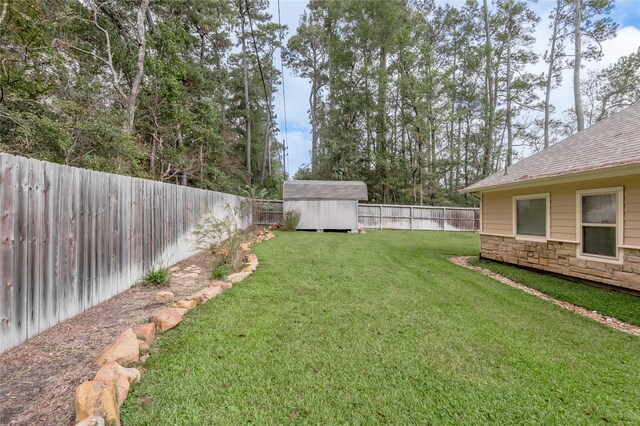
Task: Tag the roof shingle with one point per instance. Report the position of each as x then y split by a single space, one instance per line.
614 141
324 190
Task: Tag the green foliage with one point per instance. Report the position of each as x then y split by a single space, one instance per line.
291 219
65 92
217 234
382 329
227 261
156 277
220 273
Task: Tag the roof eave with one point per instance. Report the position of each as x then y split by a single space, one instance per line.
615 171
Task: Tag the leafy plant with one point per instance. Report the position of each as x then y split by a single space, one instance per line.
219 235
220 272
156 277
291 220
224 265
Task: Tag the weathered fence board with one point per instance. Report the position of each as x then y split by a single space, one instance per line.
73 238
383 216
267 212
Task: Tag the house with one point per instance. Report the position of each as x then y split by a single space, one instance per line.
573 208
325 205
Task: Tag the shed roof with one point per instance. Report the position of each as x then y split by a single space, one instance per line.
324 190
612 142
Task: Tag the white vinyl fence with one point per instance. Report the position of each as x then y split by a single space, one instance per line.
418 218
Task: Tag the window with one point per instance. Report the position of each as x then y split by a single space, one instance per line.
600 222
531 213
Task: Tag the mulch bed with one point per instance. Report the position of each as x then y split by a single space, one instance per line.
596 316
39 377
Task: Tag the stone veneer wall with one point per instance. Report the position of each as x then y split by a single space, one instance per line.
560 257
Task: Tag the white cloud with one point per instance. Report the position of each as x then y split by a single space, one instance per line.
626 42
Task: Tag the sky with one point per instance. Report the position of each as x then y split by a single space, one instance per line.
298 129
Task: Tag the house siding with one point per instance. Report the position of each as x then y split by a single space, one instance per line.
559 254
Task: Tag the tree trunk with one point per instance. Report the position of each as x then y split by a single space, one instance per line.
549 82
141 38
265 150
245 80
488 133
508 78
577 94
313 101
381 124
182 174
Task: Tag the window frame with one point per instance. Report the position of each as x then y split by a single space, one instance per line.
619 225
547 198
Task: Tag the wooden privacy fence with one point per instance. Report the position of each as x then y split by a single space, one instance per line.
383 216
267 212
72 238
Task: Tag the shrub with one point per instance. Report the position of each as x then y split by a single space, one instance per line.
291 220
220 272
218 235
158 277
222 266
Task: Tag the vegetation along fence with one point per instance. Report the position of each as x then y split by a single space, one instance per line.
72 238
383 216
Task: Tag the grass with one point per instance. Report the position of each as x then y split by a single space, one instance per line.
157 277
618 305
381 329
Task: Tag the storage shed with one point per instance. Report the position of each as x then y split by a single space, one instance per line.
325 205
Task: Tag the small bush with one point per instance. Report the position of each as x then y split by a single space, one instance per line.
291 220
157 277
220 272
222 266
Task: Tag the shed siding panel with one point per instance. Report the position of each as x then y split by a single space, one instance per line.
325 214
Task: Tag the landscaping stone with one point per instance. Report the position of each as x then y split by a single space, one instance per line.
165 297
238 276
252 259
245 246
118 378
146 332
95 399
144 347
124 350
205 294
167 318
249 268
91 421
222 284
185 304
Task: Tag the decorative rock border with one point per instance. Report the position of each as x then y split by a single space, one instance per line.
98 401
596 316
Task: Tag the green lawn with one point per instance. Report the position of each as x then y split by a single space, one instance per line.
615 304
381 328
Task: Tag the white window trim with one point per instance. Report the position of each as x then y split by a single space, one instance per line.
544 195
619 191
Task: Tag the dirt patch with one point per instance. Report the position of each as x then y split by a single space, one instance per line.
39 377
596 316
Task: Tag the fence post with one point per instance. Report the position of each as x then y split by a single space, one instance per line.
444 219
411 217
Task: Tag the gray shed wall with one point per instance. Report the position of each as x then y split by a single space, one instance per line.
325 214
